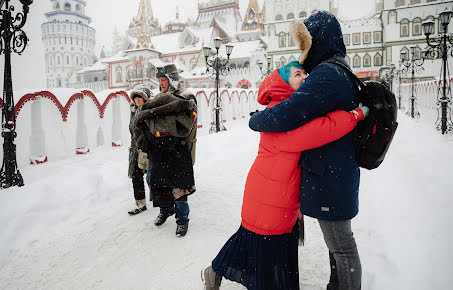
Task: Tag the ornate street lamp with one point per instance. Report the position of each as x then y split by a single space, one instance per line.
217 65
440 47
268 70
387 75
412 66
13 39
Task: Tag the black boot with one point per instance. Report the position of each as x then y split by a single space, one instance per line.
181 230
138 209
163 216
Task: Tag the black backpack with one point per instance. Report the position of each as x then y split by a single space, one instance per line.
376 131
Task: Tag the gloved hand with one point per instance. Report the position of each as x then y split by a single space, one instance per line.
361 112
132 106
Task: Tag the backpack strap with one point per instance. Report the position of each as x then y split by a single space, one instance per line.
347 69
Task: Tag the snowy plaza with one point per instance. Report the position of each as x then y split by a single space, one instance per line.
68 227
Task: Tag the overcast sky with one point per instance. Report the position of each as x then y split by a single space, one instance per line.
28 69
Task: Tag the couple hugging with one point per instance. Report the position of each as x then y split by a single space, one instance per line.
305 166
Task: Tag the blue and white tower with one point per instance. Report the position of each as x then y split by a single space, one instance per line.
68 41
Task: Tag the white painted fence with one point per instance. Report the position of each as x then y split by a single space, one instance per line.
426 99
56 124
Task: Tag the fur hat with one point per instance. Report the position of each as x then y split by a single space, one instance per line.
300 33
171 73
141 91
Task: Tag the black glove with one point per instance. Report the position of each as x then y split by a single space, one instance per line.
251 113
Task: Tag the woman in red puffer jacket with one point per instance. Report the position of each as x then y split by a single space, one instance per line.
263 253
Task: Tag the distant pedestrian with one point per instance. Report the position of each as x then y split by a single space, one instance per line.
139 95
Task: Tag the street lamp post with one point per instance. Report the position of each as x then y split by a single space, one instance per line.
398 73
13 39
268 70
217 65
439 47
412 66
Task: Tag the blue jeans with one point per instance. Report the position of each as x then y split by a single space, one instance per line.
341 244
181 209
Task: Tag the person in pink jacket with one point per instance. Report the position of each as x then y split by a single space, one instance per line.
263 253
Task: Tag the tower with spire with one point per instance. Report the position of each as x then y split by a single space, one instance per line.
68 40
253 17
144 17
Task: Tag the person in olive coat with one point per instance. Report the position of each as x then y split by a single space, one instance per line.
169 139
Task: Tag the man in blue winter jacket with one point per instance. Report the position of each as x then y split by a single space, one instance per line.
330 175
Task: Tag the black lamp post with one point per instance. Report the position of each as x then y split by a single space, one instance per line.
13 39
398 73
217 65
440 47
268 70
412 66
388 73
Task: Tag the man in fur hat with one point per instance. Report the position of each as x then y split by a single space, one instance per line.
330 175
139 95
171 118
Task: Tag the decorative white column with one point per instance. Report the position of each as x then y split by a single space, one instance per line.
81 132
117 137
37 138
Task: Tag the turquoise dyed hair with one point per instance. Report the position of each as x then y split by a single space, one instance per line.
285 71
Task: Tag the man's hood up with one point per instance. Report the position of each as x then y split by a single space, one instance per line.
319 38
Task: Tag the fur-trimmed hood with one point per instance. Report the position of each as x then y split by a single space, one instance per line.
319 38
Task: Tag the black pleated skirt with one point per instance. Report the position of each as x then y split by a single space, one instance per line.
260 261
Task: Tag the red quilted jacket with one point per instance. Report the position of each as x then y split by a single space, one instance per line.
271 197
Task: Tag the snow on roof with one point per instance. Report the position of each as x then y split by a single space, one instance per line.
98 66
196 73
169 43
242 49
117 57
156 62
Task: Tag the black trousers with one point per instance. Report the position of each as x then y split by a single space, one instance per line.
138 184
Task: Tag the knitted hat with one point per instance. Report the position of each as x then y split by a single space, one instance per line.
141 91
171 73
285 71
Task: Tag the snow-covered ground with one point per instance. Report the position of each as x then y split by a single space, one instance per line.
68 227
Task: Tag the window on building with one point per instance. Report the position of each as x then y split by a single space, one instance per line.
367 60
57 6
282 61
417 53
282 39
51 60
366 37
290 16
119 74
277 64
188 40
415 2
251 13
399 3
356 61
404 28
356 38
278 17
291 41
347 39
67 59
378 59
391 17
67 7
348 60
417 26
441 27
59 83
292 58
58 59
95 79
377 36
78 9
406 51
302 14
